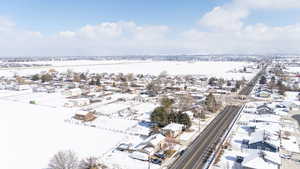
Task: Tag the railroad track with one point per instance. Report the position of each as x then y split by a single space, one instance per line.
204 145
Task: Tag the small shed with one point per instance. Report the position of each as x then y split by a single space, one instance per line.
85 116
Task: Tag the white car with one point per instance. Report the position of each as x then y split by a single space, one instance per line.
285 156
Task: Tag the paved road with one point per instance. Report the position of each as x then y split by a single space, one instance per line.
202 147
249 87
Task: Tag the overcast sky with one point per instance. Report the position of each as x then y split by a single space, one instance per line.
122 27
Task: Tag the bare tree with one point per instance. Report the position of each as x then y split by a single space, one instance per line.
154 86
130 77
185 102
91 163
64 160
20 80
76 77
69 73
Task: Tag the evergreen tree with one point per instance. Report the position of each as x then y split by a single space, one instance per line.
98 82
173 117
83 76
35 77
92 82
273 79
184 119
46 78
263 80
160 116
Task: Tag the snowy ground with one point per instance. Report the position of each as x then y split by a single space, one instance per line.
29 128
217 69
293 69
31 134
239 132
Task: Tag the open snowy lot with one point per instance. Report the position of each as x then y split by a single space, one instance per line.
42 99
293 69
217 69
32 134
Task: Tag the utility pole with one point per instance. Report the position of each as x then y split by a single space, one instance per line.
199 124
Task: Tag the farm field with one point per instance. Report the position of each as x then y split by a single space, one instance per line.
217 69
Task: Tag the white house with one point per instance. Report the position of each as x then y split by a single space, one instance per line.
173 129
73 92
155 142
261 160
77 102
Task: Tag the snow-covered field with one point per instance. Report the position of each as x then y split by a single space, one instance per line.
217 69
293 69
32 134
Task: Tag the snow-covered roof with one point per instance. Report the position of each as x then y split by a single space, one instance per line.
268 118
139 155
189 113
75 90
156 139
262 159
81 112
173 127
257 136
152 141
263 135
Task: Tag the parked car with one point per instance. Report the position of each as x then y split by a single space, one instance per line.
181 152
156 161
239 159
285 156
161 156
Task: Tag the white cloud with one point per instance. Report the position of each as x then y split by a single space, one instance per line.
225 32
118 30
268 4
6 24
252 39
228 33
224 18
66 34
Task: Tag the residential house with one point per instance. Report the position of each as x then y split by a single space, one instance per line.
152 144
77 102
263 94
261 160
73 92
172 129
264 109
262 140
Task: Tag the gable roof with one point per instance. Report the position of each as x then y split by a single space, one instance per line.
264 136
173 127
262 159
